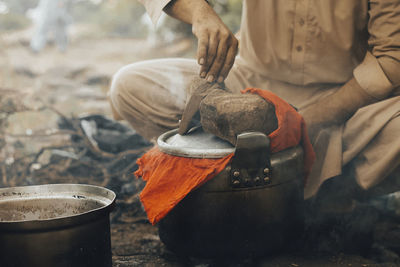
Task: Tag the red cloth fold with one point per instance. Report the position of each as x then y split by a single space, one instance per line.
291 129
170 178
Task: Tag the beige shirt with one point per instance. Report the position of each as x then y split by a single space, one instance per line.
309 42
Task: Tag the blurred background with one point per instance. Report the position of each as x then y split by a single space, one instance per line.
57 58
100 36
96 36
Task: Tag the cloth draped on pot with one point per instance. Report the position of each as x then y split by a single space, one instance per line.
170 178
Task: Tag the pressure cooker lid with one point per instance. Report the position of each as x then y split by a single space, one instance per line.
195 144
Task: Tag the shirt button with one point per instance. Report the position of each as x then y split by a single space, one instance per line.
301 21
299 48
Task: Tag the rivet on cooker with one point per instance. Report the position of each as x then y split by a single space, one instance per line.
228 169
257 180
236 173
266 171
267 180
236 182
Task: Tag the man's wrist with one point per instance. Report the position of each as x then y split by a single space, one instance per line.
202 12
338 107
189 11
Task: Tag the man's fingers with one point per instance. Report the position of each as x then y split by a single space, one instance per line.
211 53
202 50
204 60
229 60
219 60
215 53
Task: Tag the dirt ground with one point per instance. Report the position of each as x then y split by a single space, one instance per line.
75 83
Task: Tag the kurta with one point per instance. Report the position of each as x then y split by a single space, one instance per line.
301 50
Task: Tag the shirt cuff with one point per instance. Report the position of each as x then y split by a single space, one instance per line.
371 77
154 8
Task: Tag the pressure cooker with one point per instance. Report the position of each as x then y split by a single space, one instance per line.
254 206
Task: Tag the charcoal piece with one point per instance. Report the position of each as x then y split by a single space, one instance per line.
132 187
114 141
105 123
383 254
387 233
110 136
123 163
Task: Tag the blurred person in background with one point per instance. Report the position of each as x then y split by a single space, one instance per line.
51 22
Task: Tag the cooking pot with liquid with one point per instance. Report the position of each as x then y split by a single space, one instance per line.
55 225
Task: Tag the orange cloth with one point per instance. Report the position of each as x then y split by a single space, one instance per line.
291 129
170 178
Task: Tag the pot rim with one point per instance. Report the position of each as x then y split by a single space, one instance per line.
65 191
196 144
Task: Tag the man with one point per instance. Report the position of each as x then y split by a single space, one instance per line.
337 61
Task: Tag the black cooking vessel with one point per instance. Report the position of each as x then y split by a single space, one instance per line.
253 207
55 225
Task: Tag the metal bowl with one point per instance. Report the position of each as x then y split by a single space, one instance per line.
55 225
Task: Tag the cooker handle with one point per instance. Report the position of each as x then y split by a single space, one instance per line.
251 164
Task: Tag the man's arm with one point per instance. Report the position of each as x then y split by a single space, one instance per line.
374 79
217 46
336 108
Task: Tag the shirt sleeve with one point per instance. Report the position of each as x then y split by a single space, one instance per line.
379 72
154 8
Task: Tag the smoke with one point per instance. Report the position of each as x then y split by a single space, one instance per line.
177 87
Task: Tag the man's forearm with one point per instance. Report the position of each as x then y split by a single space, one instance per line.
187 10
338 107
217 46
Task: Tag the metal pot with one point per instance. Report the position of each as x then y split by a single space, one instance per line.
252 207
55 225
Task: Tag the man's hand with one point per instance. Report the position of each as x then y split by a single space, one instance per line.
217 46
335 108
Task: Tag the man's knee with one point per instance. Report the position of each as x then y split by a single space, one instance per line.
394 123
121 87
